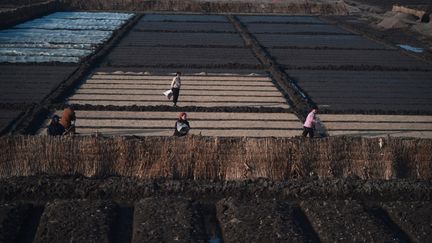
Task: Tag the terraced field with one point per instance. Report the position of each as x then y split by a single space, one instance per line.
203 123
378 125
224 215
62 37
205 91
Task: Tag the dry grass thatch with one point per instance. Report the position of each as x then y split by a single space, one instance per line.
204 158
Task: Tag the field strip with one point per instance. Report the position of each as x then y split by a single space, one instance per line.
183 224
130 76
180 103
366 133
183 92
184 82
413 217
378 125
191 115
203 132
276 221
55 224
390 126
184 98
205 123
167 86
374 118
343 221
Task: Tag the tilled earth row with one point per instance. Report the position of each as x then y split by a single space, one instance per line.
130 210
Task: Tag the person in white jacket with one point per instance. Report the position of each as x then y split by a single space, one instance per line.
175 87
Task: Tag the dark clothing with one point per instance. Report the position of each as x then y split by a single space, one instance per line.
308 130
181 128
176 92
55 129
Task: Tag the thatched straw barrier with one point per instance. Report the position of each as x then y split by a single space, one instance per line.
205 158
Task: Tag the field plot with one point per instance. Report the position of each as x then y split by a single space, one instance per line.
184 224
184 18
413 217
116 123
293 28
208 41
182 39
185 27
199 90
280 19
182 57
342 59
64 37
317 41
277 221
30 84
378 125
93 221
367 90
345 221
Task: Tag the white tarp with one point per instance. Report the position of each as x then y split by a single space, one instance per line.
59 37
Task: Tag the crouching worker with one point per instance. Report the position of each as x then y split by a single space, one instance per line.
68 120
55 128
309 125
182 125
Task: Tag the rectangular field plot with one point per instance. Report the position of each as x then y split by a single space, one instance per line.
179 56
118 123
198 90
277 222
77 221
182 222
183 27
346 221
61 37
371 90
359 59
317 41
280 19
183 18
377 125
413 217
30 84
181 39
294 28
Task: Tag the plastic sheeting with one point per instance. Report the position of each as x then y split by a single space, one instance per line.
60 37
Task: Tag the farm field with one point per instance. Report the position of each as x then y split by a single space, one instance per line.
378 125
221 124
120 216
243 174
367 90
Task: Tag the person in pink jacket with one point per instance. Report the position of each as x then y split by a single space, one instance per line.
309 124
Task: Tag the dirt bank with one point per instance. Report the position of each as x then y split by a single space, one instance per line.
205 158
287 7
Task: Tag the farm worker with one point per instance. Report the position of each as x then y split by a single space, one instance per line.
55 128
182 126
309 124
68 119
175 87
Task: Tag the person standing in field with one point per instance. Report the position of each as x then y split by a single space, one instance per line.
175 87
182 126
309 124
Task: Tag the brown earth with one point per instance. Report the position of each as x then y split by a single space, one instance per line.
121 209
